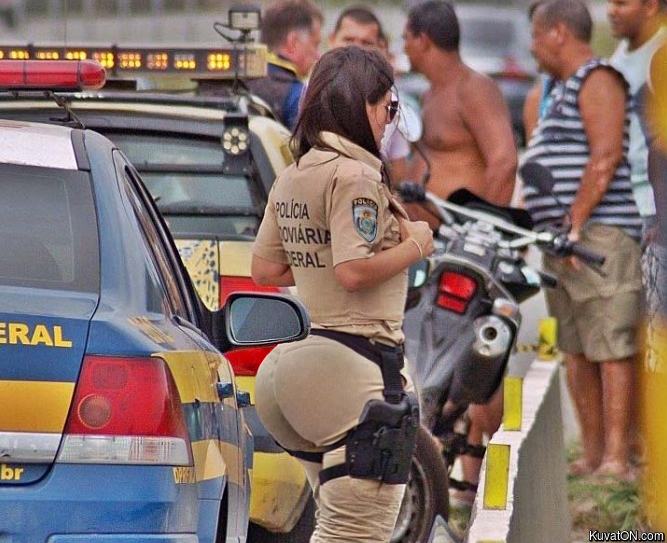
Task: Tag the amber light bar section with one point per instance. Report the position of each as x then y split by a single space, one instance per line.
245 61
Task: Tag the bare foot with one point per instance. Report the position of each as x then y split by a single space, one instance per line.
618 470
637 452
581 467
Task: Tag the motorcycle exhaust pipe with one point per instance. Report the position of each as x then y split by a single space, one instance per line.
493 337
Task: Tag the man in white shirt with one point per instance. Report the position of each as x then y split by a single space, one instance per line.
638 23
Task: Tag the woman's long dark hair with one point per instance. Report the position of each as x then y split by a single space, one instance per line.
343 81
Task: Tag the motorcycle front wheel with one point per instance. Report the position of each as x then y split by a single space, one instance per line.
426 494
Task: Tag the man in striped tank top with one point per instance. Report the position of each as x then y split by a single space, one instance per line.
582 138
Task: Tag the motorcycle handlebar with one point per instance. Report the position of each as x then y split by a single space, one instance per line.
558 243
586 255
412 192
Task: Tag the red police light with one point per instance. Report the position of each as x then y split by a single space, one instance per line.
51 75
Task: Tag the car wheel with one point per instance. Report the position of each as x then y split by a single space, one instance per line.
301 532
426 494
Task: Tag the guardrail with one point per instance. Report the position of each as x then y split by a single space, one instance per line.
522 494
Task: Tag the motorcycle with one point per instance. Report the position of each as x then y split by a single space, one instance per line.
461 325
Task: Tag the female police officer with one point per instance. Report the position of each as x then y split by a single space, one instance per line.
333 228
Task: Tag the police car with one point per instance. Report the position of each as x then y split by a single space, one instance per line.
119 417
209 162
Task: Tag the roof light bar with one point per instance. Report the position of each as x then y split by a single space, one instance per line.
247 60
51 75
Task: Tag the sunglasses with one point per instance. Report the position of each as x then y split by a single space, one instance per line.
392 109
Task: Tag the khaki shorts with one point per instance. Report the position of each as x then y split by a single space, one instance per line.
598 316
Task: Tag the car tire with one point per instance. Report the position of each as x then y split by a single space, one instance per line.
426 494
301 532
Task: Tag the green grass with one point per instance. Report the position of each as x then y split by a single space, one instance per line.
603 504
596 503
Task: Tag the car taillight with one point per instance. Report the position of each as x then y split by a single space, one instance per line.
246 361
230 284
54 75
126 411
455 291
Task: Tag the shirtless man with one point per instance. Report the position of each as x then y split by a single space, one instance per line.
469 142
467 129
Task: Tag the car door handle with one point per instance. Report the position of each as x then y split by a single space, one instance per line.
243 398
225 390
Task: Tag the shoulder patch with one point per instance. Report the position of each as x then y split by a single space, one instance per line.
365 215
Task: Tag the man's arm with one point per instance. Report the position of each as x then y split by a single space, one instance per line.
531 109
486 115
602 106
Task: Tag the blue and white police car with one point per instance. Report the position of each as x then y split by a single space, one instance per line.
119 417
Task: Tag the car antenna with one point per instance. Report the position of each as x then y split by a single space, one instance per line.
71 119
242 19
244 37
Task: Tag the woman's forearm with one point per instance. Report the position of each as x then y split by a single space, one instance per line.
267 273
366 272
284 280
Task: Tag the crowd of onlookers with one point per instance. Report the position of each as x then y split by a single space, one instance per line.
586 122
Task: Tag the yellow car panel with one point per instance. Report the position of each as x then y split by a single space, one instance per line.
201 260
18 401
278 486
275 138
195 375
235 258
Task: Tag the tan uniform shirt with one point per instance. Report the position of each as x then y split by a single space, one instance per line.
332 207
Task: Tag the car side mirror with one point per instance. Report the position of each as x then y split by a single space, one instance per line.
418 273
249 319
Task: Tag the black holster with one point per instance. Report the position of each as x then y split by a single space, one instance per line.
381 446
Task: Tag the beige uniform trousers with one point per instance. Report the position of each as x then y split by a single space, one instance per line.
308 395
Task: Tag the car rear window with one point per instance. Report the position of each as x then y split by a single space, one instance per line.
185 176
154 149
48 229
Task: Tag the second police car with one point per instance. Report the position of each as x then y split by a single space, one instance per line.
119 418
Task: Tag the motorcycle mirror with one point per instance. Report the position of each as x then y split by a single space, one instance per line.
409 123
540 177
418 274
536 175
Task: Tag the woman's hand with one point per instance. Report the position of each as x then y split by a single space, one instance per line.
418 231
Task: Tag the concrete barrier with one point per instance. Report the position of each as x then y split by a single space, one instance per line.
522 494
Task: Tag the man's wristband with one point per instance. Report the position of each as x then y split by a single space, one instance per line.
419 247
